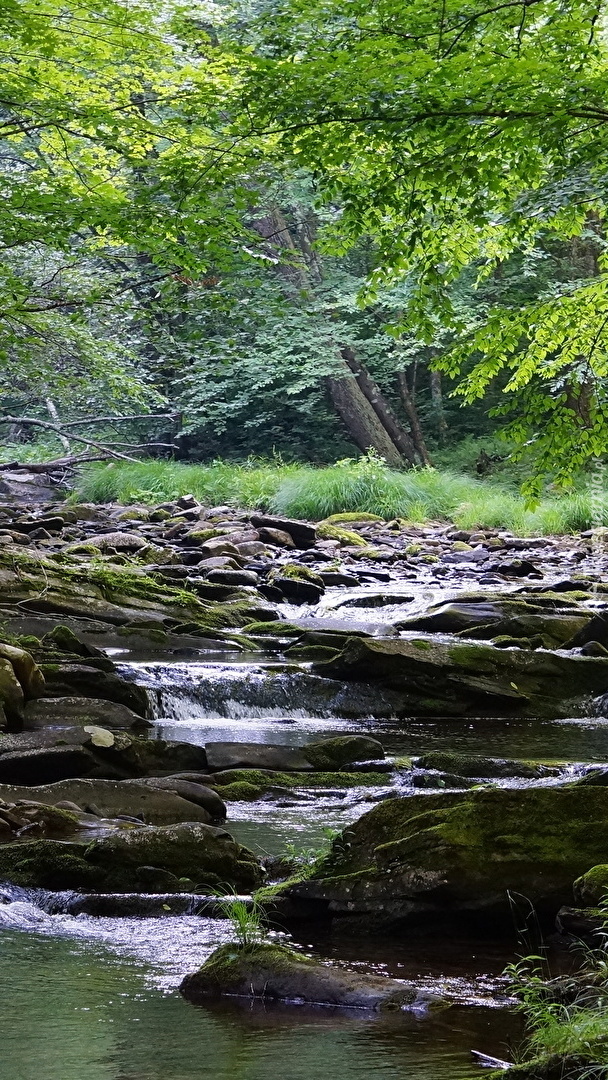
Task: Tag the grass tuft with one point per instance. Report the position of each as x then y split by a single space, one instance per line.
351 487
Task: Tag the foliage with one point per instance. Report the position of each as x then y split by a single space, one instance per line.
350 486
246 915
456 137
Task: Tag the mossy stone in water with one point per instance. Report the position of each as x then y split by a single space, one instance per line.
591 888
277 973
464 765
266 779
344 536
241 791
330 754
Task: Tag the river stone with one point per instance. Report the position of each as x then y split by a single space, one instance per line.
27 672
302 533
235 755
45 766
591 888
192 792
488 618
70 711
208 856
438 678
490 768
276 973
328 755
439 856
11 694
113 798
67 680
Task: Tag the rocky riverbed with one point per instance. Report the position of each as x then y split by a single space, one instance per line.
191 697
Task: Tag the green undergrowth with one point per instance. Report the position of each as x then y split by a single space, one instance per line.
366 486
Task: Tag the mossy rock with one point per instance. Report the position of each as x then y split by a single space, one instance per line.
273 628
465 765
427 857
329 754
312 653
266 779
344 536
591 888
296 572
241 791
277 973
344 519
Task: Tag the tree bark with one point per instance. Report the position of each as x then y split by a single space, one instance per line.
54 415
412 414
437 403
361 420
396 433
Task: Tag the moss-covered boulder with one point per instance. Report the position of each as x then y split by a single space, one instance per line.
266 780
112 798
472 678
276 973
431 856
490 768
143 858
591 888
327 755
480 617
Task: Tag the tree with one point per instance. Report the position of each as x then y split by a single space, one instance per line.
457 134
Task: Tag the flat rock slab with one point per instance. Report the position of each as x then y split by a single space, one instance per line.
70 711
235 755
112 798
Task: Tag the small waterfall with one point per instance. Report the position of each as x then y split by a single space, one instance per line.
237 691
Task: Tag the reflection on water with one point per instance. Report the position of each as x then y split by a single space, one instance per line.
74 1011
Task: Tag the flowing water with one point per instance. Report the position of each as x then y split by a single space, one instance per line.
95 998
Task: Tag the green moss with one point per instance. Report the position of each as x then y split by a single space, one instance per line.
338 519
344 536
241 791
273 628
298 573
265 779
413 549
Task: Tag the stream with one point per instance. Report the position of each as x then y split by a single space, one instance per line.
95 998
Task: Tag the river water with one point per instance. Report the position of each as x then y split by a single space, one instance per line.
90 998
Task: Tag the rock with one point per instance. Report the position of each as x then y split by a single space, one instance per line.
580 922
233 577
11 695
463 765
276 973
440 856
301 592
486 619
438 678
591 888
70 711
113 798
27 672
67 680
207 855
45 766
193 792
134 860
328 755
302 533
234 755
117 541
276 538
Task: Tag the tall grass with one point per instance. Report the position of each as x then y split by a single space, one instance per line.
367 485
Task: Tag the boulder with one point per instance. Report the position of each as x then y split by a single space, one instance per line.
11 694
67 680
441 856
27 672
143 858
112 798
461 678
488 618
208 856
302 533
70 711
329 755
235 755
591 888
45 765
193 792
276 973
499 768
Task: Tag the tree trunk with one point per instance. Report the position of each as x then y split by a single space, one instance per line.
412 414
54 415
381 407
437 402
361 420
